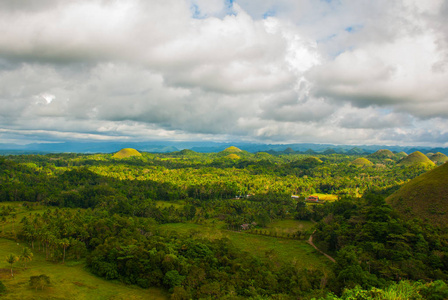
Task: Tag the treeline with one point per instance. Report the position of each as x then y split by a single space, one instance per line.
134 251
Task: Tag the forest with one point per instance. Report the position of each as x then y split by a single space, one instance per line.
227 225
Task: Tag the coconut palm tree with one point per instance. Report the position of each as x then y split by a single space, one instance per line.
64 243
26 256
11 259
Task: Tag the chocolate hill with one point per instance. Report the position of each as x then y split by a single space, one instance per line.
425 197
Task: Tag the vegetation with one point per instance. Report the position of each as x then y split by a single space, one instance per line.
361 162
382 154
217 225
425 197
438 158
127 152
416 158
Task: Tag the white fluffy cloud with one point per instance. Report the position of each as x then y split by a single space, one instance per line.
278 71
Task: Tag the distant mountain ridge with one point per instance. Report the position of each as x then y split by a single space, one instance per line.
198 146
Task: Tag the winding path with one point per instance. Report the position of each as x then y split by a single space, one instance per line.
310 241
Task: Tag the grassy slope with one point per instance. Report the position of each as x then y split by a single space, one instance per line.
282 250
425 197
415 158
361 161
69 281
126 152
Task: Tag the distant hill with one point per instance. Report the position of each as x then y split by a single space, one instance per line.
329 151
382 153
438 158
233 149
362 162
401 154
157 146
356 150
185 152
126 152
415 158
425 197
307 163
289 150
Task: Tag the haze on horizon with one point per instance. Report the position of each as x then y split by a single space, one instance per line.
333 71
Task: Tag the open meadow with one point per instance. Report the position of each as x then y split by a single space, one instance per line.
67 281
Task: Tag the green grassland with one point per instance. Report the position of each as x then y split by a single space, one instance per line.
68 281
177 204
280 250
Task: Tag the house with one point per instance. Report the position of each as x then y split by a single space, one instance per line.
245 226
294 197
312 199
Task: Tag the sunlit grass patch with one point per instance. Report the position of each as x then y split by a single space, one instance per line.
69 281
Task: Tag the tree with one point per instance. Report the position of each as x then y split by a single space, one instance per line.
64 243
26 256
39 281
11 259
2 288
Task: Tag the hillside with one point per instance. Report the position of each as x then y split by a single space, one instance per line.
425 196
382 153
232 149
415 158
126 152
438 158
361 162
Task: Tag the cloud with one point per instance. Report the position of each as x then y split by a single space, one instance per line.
280 71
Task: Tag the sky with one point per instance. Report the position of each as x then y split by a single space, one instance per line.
287 71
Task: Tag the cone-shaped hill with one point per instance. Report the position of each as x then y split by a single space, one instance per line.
126 152
362 162
232 149
415 158
185 152
401 154
307 163
381 154
439 158
289 150
425 197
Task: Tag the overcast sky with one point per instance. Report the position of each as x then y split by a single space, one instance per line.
286 71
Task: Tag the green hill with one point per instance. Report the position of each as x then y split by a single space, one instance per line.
126 152
362 162
233 149
382 153
307 163
401 154
289 150
355 150
438 158
415 158
425 197
185 152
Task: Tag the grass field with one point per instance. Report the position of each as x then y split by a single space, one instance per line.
163 204
326 197
280 250
69 281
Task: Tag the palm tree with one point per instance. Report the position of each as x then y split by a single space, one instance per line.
26 255
11 259
64 243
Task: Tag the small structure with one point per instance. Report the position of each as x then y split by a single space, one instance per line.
295 197
245 226
313 199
